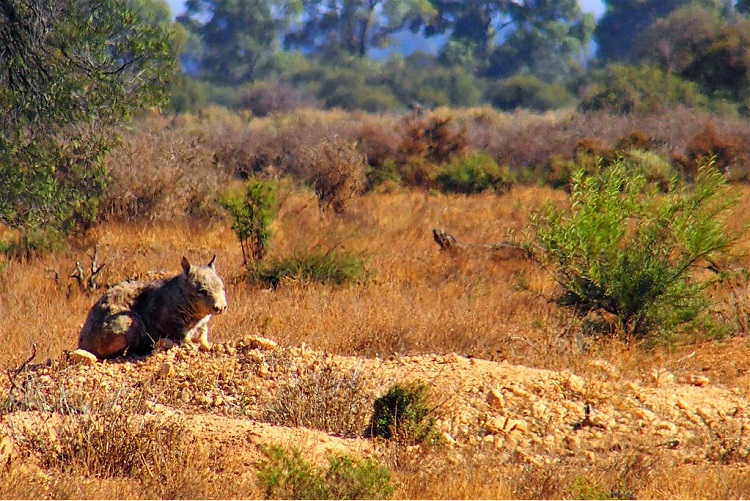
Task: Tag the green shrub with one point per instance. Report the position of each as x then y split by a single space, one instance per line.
657 169
473 173
252 215
629 89
528 91
402 414
383 173
24 246
329 268
623 250
286 475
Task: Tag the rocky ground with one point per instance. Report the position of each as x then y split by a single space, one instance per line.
245 393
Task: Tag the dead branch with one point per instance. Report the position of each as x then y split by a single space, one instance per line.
12 373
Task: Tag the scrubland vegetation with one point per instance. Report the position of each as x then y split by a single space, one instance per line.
385 210
365 277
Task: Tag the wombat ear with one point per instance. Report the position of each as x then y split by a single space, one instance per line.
211 263
185 265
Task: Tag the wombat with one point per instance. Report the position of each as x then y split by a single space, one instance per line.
132 316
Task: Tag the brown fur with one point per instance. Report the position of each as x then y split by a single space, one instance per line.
132 316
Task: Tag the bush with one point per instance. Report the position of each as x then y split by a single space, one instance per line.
727 150
627 89
338 171
329 268
528 91
402 414
473 173
286 475
159 172
252 216
323 397
623 252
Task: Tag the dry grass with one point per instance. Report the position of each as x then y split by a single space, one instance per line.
417 300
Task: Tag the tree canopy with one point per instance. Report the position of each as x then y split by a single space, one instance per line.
68 70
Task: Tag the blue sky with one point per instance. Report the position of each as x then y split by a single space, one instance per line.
596 7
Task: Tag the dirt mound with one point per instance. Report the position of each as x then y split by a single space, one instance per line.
530 415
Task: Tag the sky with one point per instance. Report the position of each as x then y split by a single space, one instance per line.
596 7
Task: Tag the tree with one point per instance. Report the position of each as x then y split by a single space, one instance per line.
702 45
502 37
68 70
673 42
548 39
355 26
625 20
238 37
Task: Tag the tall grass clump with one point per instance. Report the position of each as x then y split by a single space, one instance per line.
328 268
633 256
285 474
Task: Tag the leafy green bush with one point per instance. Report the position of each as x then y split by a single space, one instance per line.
286 475
382 173
252 216
330 268
402 414
624 251
528 91
473 173
632 89
58 105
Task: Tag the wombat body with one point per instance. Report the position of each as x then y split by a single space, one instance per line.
132 316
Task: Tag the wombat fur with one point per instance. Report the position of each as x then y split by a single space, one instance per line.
132 316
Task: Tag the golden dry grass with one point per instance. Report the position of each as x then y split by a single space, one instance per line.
415 300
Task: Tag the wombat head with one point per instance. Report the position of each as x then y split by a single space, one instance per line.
205 288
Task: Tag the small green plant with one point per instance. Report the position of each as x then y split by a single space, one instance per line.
286 475
383 173
402 414
473 173
624 251
329 268
252 214
583 488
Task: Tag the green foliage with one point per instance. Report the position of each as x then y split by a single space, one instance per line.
285 474
354 26
473 173
32 244
68 71
329 268
382 173
629 89
527 91
237 38
583 488
252 213
625 20
625 252
402 414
